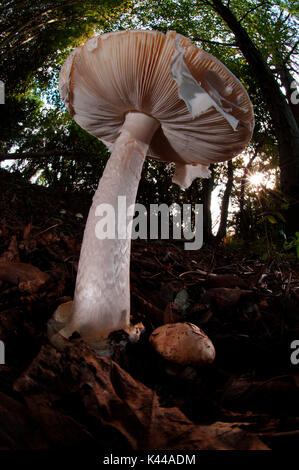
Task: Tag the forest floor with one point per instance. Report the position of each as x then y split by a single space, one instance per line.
49 398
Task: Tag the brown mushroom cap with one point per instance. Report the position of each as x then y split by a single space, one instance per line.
113 74
183 343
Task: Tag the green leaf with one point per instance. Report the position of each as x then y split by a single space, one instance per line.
271 219
280 216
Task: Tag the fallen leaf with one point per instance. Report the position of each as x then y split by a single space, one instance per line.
17 429
225 280
224 297
27 231
27 277
109 395
169 316
12 253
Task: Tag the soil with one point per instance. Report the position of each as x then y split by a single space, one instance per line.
50 398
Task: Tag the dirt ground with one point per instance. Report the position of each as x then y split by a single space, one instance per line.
247 399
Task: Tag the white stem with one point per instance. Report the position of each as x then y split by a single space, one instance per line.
102 293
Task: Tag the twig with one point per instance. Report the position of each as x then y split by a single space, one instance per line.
201 273
251 10
288 285
217 43
46 230
266 382
286 59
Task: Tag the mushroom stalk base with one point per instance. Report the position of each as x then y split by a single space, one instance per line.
102 293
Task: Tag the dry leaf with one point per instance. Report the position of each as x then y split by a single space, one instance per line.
12 253
223 297
28 277
110 395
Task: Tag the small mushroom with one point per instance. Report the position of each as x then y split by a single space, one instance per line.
183 344
143 93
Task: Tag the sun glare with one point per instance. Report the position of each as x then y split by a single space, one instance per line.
257 179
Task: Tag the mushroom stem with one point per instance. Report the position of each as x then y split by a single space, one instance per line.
102 294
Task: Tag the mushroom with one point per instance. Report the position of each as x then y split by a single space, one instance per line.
143 93
183 343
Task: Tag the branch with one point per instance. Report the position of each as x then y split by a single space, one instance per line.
255 154
205 2
286 59
24 29
10 4
218 43
54 153
293 69
251 10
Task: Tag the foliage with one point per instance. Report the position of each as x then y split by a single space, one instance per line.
68 157
293 243
35 39
35 33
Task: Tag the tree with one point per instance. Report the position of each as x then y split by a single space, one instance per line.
221 233
242 34
36 33
265 32
284 122
35 38
206 198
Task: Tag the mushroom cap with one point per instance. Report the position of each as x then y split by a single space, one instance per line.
183 343
126 71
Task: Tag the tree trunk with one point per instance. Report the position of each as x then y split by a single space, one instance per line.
244 219
285 126
207 188
225 202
